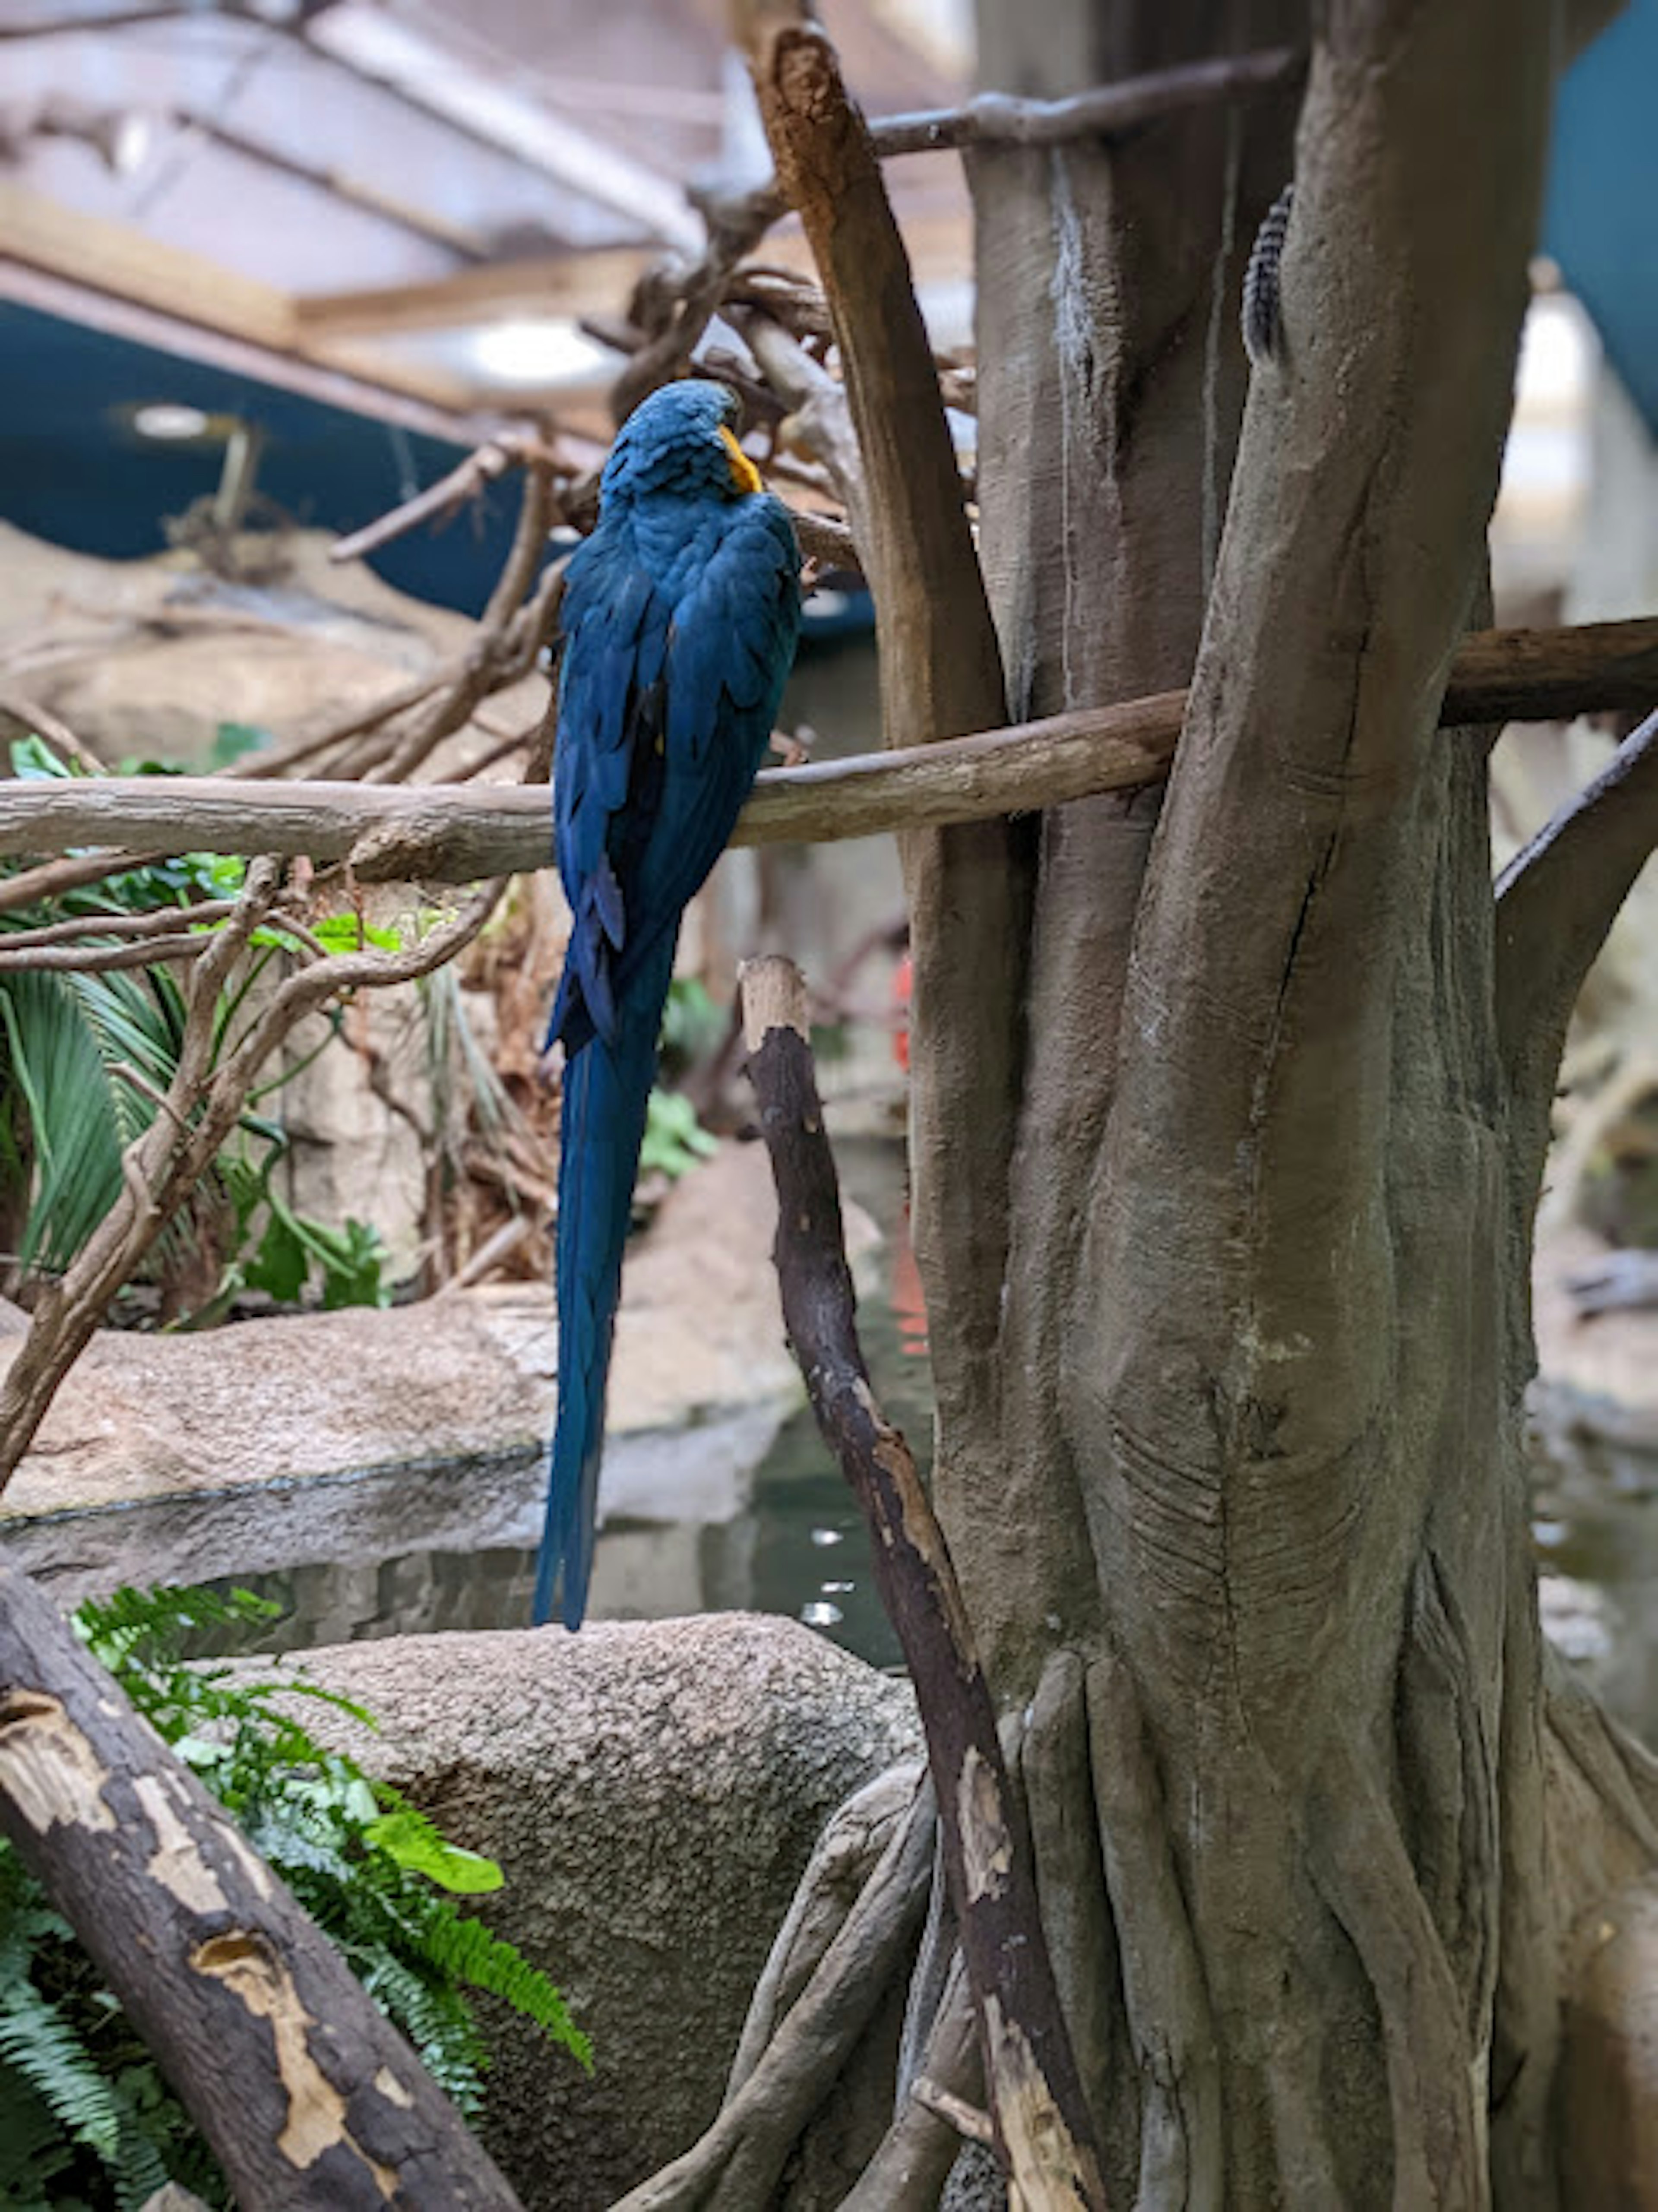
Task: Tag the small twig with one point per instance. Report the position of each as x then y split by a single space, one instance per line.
500 1245
204 1102
101 959
966 2120
155 923
494 459
53 729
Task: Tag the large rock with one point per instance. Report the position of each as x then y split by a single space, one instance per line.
350 1438
652 1793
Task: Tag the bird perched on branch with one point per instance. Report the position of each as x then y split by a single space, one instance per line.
679 617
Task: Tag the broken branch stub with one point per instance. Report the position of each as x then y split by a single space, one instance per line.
1043 2134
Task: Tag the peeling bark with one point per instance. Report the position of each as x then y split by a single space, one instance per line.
307 2094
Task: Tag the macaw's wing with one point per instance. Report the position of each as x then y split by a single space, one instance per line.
729 652
608 772
665 708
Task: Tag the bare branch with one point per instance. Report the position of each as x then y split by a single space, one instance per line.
456 832
73 751
118 925
494 459
201 1106
1556 901
997 119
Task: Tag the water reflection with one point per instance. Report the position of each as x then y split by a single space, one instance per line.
799 1548
1595 1525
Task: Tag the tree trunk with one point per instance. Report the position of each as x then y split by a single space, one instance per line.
310 2099
1251 1462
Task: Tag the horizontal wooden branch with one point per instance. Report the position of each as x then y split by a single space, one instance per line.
998 117
456 833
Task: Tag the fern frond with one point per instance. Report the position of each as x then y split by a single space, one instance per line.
38 2044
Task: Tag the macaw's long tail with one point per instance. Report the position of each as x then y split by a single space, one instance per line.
607 1088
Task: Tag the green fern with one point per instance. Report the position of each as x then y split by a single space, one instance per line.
369 1868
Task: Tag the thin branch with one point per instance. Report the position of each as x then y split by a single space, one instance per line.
1106 112
1556 901
202 1105
153 951
73 751
456 833
496 457
1042 2130
156 923
968 2120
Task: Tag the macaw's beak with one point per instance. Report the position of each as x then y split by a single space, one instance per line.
745 475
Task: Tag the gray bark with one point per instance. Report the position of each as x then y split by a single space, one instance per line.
1255 1471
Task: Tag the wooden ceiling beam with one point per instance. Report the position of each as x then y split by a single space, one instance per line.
114 278
547 284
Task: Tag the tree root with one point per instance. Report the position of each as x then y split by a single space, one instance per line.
738 2163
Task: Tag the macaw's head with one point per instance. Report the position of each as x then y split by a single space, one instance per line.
680 441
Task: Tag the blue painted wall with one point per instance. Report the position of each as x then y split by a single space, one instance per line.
1600 221
73 470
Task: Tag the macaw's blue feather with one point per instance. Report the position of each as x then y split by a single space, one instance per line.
607 1089
680 618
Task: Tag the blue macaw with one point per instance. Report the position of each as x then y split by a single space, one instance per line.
680 616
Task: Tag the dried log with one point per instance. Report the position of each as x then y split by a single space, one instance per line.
1041 2120
451 833
308 2095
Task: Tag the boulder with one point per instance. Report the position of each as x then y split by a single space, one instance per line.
651 1792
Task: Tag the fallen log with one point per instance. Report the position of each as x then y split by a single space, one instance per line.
310 2099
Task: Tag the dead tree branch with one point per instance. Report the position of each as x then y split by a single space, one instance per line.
1042 2130
457 833
941 674
304 2089
496 457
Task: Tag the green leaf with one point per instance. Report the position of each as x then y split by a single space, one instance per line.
281 1263
674 1138
409 1839
349 933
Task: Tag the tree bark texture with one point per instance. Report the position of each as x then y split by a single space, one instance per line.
1250 1514
307 2094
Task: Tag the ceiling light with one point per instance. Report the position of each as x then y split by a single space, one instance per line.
165 420
543 351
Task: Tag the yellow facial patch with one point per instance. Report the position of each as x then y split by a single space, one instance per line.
745 475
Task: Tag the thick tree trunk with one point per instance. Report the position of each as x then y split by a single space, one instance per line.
1255 1461
311 2099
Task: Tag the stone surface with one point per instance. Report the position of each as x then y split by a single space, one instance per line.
652 1793
359 1434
